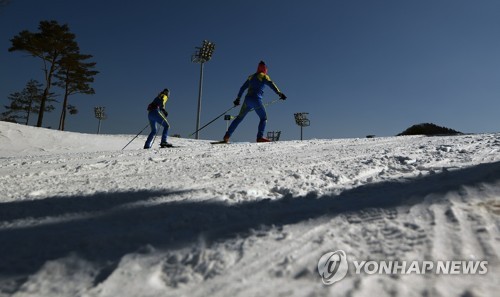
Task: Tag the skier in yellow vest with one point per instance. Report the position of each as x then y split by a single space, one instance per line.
158 115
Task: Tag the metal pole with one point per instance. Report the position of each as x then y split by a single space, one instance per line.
301 128
99 127
211 121
137 136
199 103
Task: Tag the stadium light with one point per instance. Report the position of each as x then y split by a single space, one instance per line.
202 55
302 120
100 115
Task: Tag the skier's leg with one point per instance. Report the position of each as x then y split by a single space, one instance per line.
151 135
234 124
261 112
164 135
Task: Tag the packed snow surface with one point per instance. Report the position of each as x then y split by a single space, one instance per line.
79 216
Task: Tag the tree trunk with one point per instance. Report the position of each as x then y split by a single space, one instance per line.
46 92
28 115
30 108
62 119
42 105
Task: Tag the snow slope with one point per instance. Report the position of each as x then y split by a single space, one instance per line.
81 217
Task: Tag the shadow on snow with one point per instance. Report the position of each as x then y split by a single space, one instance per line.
114 226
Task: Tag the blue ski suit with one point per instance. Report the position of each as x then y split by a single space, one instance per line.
157 115
253 100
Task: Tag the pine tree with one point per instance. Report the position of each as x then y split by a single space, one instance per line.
26 102
51 44
4 3
74 76
16 109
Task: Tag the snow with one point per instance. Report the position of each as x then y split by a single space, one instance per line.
79 216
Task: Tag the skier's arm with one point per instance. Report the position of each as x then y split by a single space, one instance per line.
243 88
272 85
164 112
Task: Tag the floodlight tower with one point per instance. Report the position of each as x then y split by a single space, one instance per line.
100 115
202 55
302 120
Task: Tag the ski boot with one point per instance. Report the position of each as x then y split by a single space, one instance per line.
263 139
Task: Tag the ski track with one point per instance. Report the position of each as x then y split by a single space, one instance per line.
239 258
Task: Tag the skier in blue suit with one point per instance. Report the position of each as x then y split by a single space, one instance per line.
158 115
253 100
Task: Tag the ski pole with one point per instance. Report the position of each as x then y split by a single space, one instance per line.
211 121
266 104
135 137
154 138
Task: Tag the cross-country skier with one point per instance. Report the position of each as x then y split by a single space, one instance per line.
158 115
253 100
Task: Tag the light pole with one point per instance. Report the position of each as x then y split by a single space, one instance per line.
100 115
203 54
302 120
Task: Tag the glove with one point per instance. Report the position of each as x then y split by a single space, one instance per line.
236 102
164 112
282 96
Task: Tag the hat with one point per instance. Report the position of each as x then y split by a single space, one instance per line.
262 68
166 92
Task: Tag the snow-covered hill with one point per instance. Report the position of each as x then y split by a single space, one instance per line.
79 216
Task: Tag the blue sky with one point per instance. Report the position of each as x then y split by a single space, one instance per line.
358 67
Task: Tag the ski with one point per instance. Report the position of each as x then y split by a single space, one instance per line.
168 145
223 142
219 142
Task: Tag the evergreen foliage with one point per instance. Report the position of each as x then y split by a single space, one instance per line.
74 76
52 43
24 103
4 3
